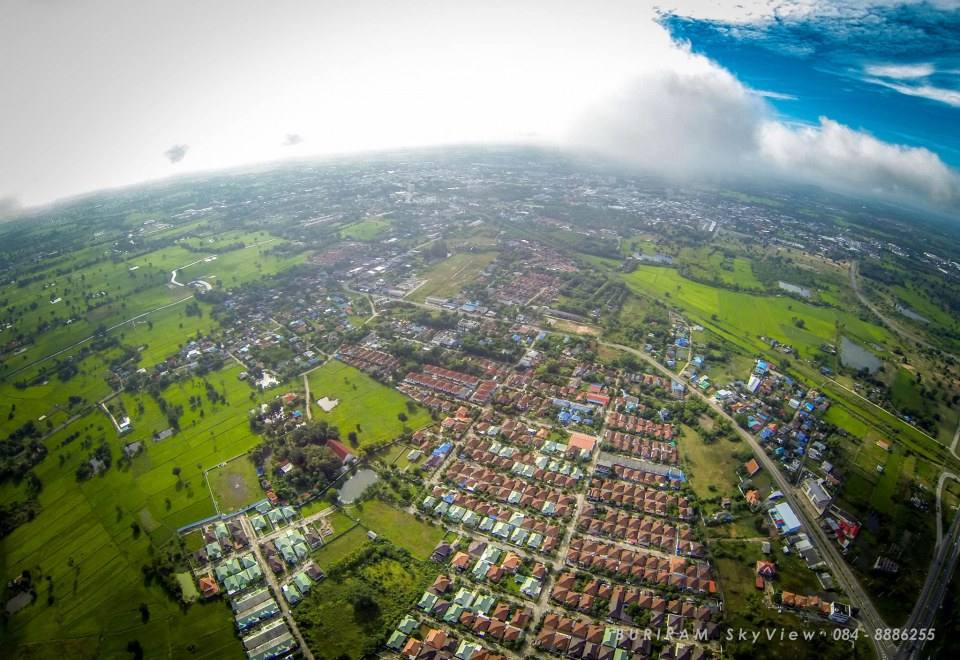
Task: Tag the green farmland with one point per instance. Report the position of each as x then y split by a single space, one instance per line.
367 408
91 538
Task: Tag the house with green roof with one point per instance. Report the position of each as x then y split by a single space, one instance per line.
427 601
260 524
466 650
502 530
491 554
253 574
289 512
453 613
484 604
480 570
304 583
408 625
464 598
396 641
519 536
214 551
486 524
531 588
291 593
611 636
470 519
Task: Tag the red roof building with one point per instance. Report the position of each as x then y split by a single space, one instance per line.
342 452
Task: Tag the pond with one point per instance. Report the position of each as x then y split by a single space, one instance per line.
854 356
911 314
357 484
793 288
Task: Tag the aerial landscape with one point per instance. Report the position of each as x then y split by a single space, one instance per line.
620 394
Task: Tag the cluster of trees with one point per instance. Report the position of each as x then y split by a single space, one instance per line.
315 465
21 451
102 455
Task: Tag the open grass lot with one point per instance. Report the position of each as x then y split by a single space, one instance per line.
711 468
399 527
336 622
234 485
344 543
366 230
367 407
448 277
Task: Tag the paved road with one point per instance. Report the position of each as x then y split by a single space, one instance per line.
943 478
272 581
938 581
868 616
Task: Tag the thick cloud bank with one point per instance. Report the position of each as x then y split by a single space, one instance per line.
699 121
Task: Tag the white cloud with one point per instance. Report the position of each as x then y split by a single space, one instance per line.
700 121
777 96
940 94
832 154
900 71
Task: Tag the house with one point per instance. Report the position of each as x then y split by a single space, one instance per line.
752 467
817 494
784 519
396 641
412 648
766 569
436 638
341 452
208 586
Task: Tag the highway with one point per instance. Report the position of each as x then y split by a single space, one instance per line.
931 596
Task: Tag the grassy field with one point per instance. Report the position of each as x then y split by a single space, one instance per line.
711 468
366 230
367 407
399 527
748 316
234 485
449 276
710 264
343 544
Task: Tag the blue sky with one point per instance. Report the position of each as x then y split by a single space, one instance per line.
892 71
